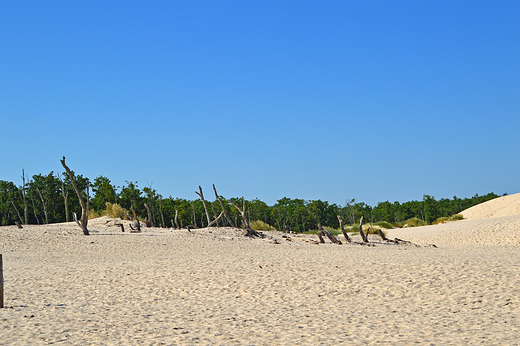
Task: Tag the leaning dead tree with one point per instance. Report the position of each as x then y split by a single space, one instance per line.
201 195
84 206
323 231
249 231
223 208
138 223
364 236
347 238
149 221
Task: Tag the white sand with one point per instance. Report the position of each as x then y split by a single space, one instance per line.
216 287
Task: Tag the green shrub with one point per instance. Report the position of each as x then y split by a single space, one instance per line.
384 224
261 226
414 222
456 217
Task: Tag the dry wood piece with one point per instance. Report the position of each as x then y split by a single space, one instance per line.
320 236
121 225
223 208
84 206
216 220
176 217
18 225
347 238
149 222
329 235
138 224
201 195
249 231
363 235
1 283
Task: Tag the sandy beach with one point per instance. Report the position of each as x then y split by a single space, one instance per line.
217 287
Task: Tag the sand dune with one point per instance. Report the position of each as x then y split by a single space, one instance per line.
498 207
217 287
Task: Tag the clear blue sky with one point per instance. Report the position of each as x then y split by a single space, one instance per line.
330 100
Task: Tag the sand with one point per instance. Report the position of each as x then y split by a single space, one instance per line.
217 287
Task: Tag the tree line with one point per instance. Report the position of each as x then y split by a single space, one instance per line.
45 199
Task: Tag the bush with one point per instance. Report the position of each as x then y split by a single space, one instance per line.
455 217
261 226
384 224
114 209
414 222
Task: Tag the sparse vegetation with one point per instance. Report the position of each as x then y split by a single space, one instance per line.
115 210
259 225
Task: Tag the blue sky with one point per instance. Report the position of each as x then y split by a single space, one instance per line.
330 100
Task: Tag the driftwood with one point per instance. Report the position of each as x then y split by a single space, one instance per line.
138 224
1 283
149 221
18 225
216 220
347 238
84 206
223 208
249 231
201 195
121 225
324 231
364 236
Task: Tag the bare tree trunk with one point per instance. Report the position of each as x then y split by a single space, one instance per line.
201 195
34 209
249 231
215 215
363 235
160 211
176 218
44 206
25 211
16 209
65 198
216 220
138 224
329 235
150 222
223 208
343 229
84 206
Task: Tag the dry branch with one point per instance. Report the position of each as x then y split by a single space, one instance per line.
84 206
249 231
347 238
223 208
138 224
201 195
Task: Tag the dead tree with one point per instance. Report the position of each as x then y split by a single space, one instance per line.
121 225
216 220
249 231
149 222
44 205
84 206
364 236
138 224
223 208
347 238
65 197
176 218
24 198
324 231
201 195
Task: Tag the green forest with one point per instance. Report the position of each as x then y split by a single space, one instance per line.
51 198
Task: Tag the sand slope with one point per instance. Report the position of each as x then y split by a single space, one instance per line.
498 207
216 287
